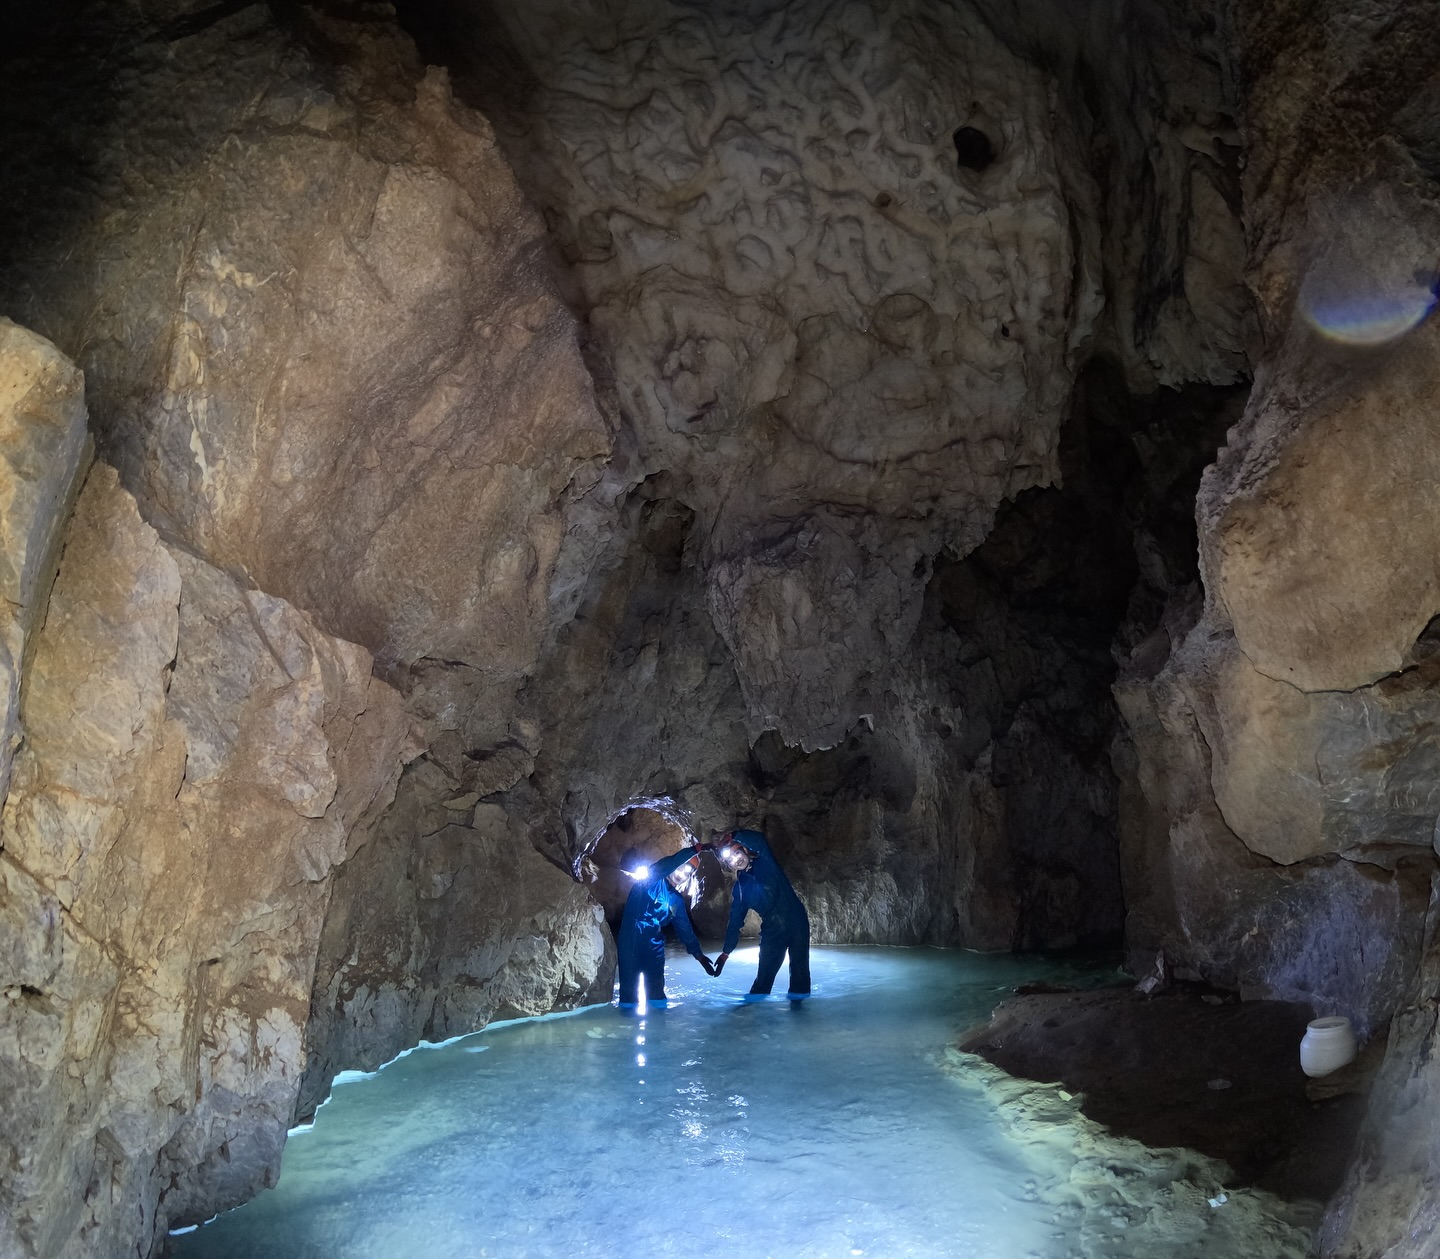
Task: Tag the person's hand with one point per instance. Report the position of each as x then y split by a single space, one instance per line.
719 964
710 967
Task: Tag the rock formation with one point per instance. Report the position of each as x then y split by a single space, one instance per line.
195 759
1280 835
199 752
44 443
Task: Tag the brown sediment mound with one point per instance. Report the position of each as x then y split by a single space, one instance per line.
1192 1069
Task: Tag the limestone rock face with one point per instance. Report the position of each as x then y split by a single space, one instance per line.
44 446
834 261
1322 548
325 355
845 335
979 808
1389 1198
814 617
195 758
1301 925
797 542
319 339
479 926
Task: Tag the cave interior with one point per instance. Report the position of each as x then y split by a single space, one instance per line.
455 450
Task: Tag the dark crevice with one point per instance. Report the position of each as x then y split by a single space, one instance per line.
973 149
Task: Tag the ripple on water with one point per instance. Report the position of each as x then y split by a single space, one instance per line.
841 1125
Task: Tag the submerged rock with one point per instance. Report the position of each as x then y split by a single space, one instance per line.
1126 1199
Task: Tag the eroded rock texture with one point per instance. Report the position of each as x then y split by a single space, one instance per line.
318 337
44 446
1280 828
842 346
839 266
1389 1204
786 413
195 757
836 262
477 926
324 355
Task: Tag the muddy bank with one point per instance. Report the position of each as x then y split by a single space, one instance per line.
1195 1069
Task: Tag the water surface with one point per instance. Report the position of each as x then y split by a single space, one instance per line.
839 1125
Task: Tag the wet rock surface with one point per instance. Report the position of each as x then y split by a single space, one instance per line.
1126 1200
1188 1069
478 926
195 757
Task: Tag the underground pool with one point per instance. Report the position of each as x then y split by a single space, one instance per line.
839 1125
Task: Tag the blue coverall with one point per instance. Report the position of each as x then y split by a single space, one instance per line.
651 904
784 924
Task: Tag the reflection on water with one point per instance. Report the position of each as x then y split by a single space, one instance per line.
841 1125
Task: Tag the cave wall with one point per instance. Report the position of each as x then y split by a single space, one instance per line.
314 321
194 757
1279 830
340 410
614 514
832 352
476 926
843 348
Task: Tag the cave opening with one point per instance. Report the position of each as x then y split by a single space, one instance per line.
974 150
639 835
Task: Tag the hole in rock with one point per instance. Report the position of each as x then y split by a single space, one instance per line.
973 148
638 836
635 838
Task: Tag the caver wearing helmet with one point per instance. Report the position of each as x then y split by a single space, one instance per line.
761 885
654 901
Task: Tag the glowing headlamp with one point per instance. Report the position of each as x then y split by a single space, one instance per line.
683 878
735 856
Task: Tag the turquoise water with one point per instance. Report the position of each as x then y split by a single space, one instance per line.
832 1126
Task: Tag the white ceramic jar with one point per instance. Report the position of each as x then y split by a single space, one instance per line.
1328 1045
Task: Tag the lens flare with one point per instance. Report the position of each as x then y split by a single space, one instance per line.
1371 277
1366 314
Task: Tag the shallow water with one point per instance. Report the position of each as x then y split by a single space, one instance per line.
839 1125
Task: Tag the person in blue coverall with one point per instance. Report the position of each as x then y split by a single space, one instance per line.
652 903
761 885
